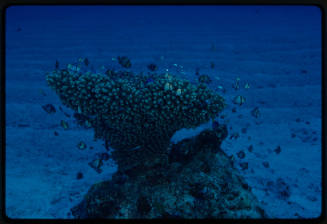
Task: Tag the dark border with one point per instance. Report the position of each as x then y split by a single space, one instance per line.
319 3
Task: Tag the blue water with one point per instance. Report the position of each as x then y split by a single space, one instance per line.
276 49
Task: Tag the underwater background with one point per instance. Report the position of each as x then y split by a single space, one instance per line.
268 55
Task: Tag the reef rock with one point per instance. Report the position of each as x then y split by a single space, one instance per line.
198 181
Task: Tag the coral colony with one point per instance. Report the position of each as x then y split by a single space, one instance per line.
136 115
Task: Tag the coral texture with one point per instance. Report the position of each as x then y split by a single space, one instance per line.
135 114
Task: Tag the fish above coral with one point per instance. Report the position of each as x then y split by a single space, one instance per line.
128 110
136 116
152 67
64 124
256 112
240 100
124 61
204 79
49 108
236 84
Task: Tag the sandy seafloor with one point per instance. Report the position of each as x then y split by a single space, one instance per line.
276 50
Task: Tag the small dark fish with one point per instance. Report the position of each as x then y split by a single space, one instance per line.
81 145
66 114
205 79
152 67
124 61
73 67
86 62
234 136
64 124
79 175
19 29
240 100
57 64
212 65
236 85
109 72
255 112
49 108
278 150
96 165
197 71
55 133
265 164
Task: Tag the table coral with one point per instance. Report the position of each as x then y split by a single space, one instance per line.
135 117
